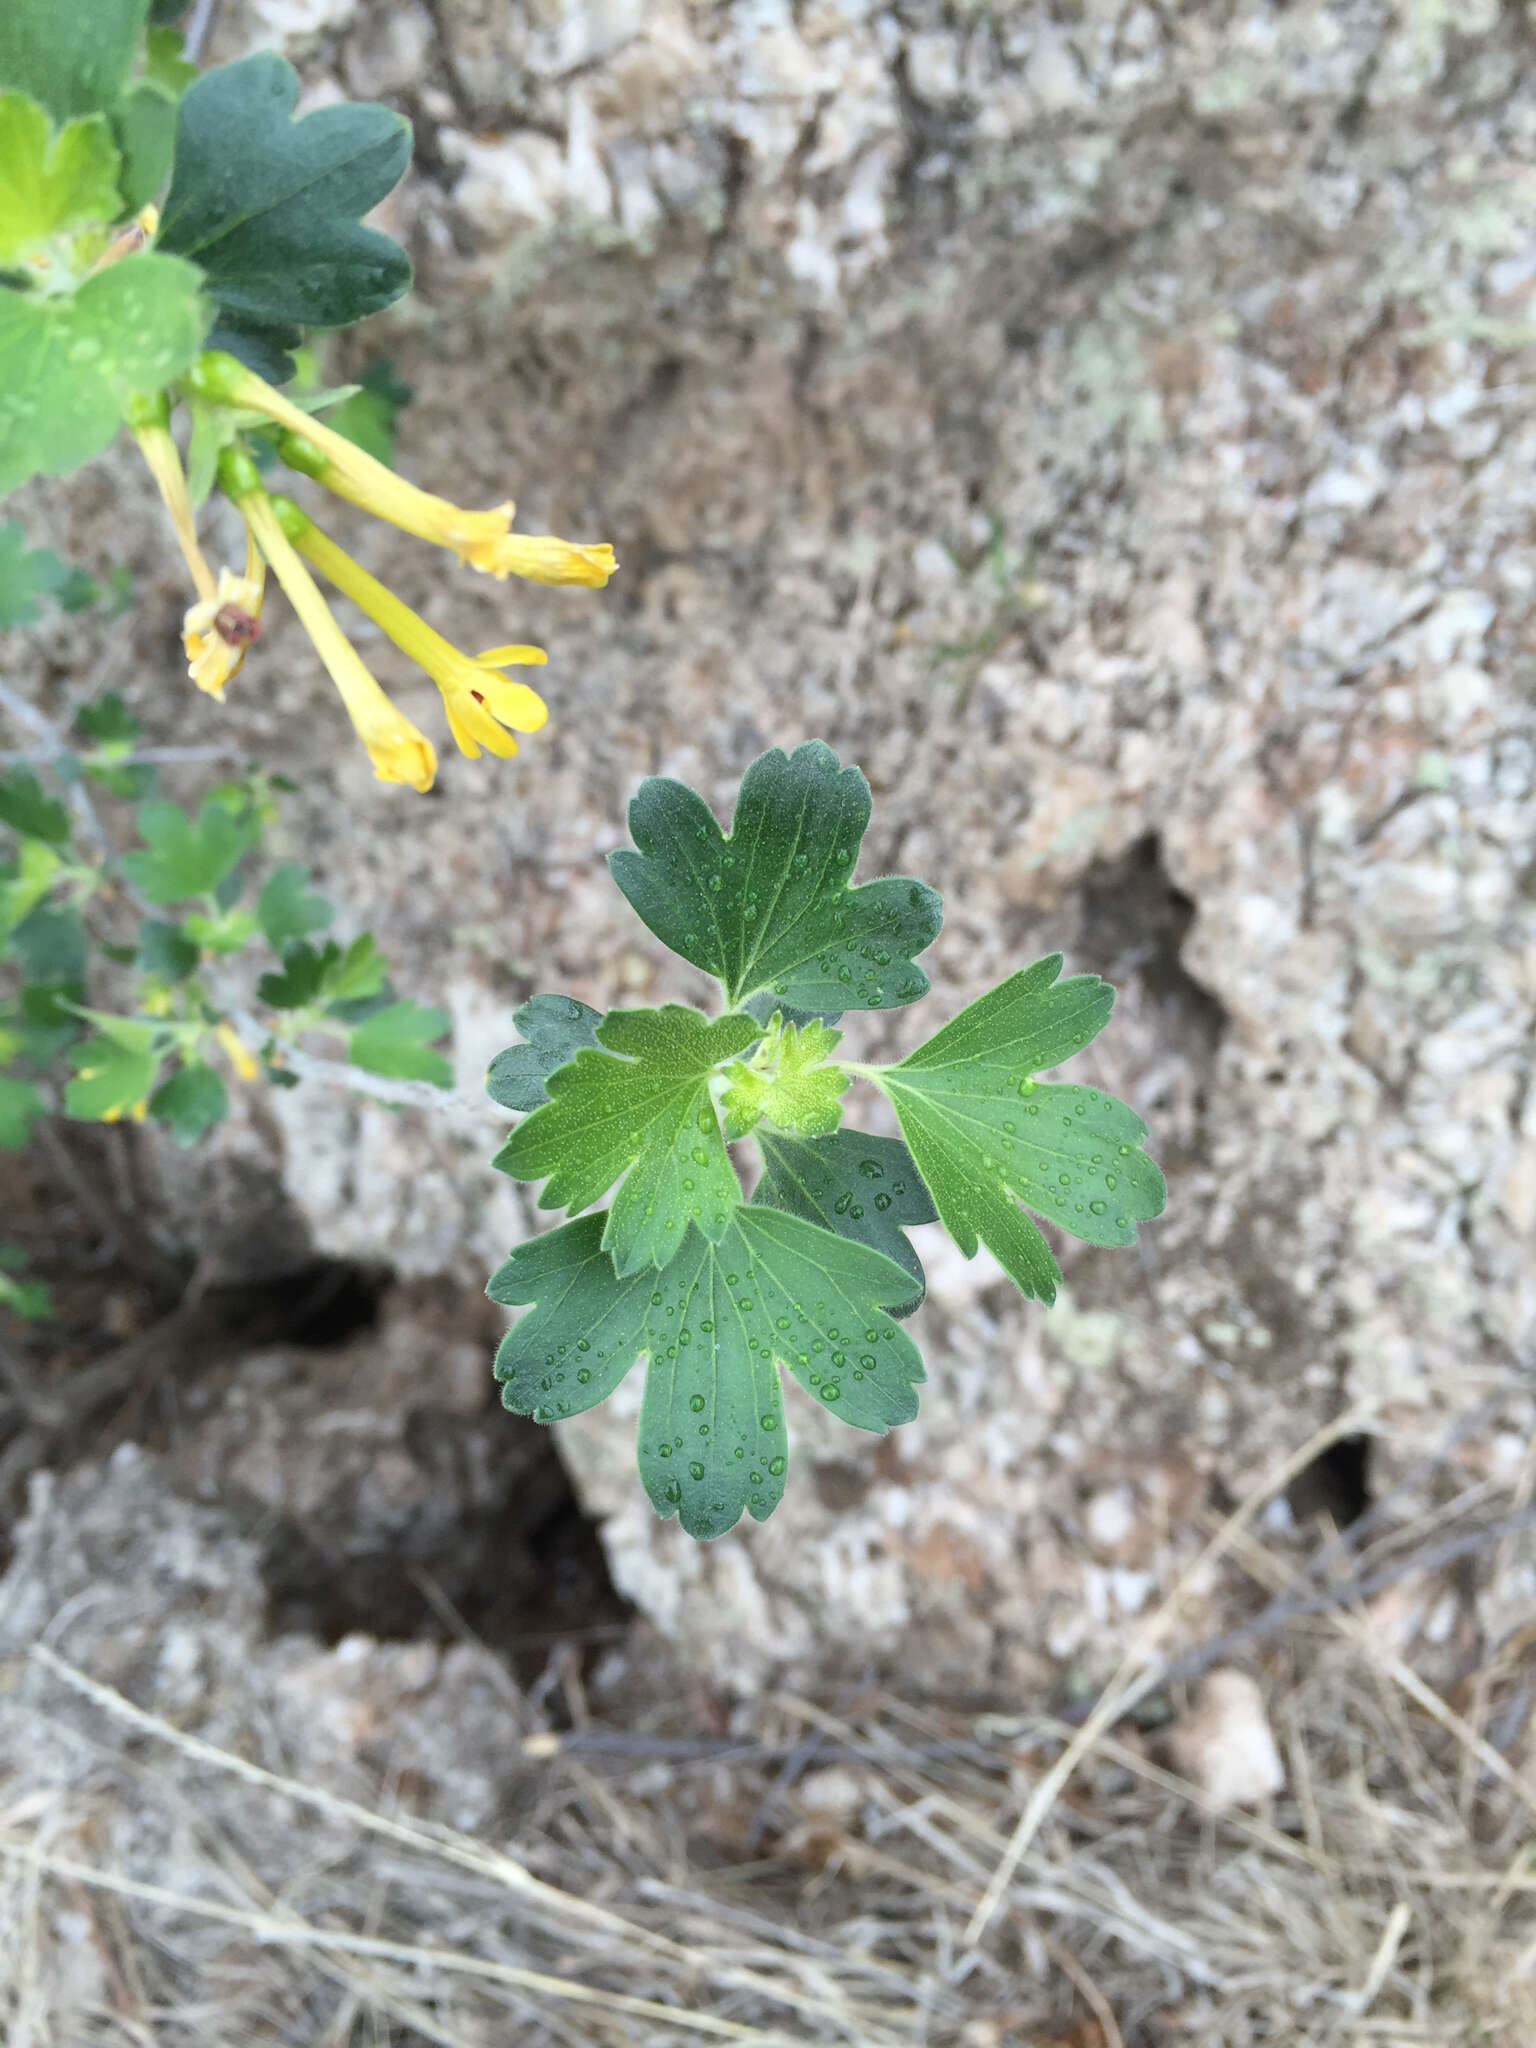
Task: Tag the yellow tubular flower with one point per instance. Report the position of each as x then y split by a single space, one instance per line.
217 631
398 751
482 539
479 702
236 1051
148 419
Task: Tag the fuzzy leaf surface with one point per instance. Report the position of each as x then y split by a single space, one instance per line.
68 364
269 207
640 1107
556 1028
716 1326
51 181
986 1135
771 905
866 1189
787 1081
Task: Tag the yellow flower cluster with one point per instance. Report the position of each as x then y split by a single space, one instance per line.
484 707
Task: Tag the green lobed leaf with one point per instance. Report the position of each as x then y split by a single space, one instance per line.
331 975
25 881
164 62
191 1102
27 574
986 1135
866 1189
75 58
108 721
68 365
269 207
716 1326
289 909
556 1028
49 944
787 1081
51 181
183 858
115 1072
641 1109
20 1108
144 129
397 1040
771 906
28 809
165 950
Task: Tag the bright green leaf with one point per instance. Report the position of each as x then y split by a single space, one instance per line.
20 1108
556 1028
26 881
50 181
184 858
29 810
396 1041
190 1103
228 932
114 1072
716 1324
164 62
867 1189
270 207
986 1135
75 58
787 1081
289 909
642 1109
67 365
771 906
144 128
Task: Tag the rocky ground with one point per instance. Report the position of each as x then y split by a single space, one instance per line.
1110 425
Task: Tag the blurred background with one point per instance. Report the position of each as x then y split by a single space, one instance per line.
1110 424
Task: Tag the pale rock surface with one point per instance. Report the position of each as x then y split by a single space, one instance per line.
1190 313
1224 1744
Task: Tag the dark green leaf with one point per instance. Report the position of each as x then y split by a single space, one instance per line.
396 1041
641 1109
289 909
986 1135
166 951
49 945
74 58
264 348
108 721
185 859
29 810
269 207
716 1324
20 1108
190 1103
771 906
25 575
556 1028
68 364
867 1189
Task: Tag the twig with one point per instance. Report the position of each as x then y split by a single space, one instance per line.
146 757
